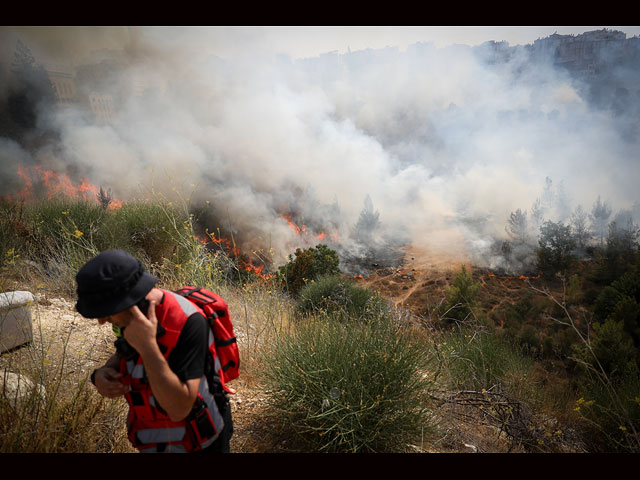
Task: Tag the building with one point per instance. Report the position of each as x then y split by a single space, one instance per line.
586 54
102 107
63 80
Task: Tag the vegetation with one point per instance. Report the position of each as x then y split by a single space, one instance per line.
557 245
481 361
340 297
460 298
351 386
308 264
344 371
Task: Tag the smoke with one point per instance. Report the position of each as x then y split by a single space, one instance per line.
443 142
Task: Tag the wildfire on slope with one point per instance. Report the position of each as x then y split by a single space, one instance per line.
303 232
519 277
228 247
39 182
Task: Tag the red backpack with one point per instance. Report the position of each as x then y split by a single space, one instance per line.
216 311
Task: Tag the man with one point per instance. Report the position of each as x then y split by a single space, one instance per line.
163 365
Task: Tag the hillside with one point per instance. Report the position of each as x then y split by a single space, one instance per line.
415 287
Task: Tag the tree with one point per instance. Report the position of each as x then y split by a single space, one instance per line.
460 297
599 216
555 254
578 222
619 255
309 264
517 227
368 221
537 214
562 203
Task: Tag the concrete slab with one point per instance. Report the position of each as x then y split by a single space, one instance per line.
16 326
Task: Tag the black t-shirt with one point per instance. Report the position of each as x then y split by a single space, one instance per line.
188 359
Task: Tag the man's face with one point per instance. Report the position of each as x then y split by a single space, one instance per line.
120 319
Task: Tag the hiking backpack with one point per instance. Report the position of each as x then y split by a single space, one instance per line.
216 311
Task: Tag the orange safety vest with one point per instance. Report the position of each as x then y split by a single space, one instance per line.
149 427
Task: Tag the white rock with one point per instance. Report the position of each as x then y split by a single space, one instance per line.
468 448
15 319
15 387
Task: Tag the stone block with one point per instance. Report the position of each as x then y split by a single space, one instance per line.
16 327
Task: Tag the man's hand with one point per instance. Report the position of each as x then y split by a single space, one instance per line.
140 332
108 382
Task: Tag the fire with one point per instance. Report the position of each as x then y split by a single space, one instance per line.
224 244
519 277
42 183
302 231
297 229
229 247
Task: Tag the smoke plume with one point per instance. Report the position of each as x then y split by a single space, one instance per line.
442 144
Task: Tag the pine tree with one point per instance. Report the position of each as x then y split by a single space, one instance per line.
599 217
578 222
517 227
368 221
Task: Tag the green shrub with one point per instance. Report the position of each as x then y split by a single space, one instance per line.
555 254
613 412
151 230
528 340
618 256
342 297
460 298
62 221
480 360
350 387
309 264
613 347
620 301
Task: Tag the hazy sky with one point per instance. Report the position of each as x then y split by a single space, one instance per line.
294 41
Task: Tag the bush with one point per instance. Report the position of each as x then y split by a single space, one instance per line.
613 413
480 360
350 387
149 230
460 298
555 254
619 255
340 297
309 264
620 301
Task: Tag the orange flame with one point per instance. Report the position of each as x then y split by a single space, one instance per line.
229 246
520 277
55 184
302 231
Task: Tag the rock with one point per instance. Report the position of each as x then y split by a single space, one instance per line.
468 448
16 388
15 319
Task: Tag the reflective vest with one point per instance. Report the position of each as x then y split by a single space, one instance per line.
149 427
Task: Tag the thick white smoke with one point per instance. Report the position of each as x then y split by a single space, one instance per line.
445 144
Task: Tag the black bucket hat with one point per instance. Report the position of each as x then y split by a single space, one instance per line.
110 283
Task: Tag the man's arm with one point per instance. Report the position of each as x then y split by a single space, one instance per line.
175 397
107 378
